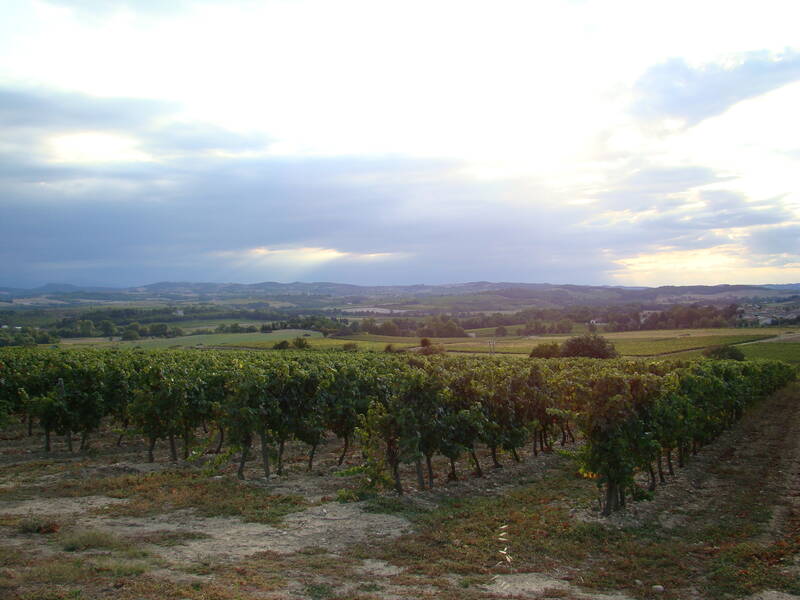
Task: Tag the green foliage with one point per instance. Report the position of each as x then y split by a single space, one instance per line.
724 353
590 346
551 350
300 343
401 408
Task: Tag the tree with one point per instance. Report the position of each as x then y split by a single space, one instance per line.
590 345
300 343
86 328
130 334
107 328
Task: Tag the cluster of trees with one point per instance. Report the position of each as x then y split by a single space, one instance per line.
536 327
615 318
174 314
434 326
589 346
324 324
691 317
74 328
632 415
26 336
135 331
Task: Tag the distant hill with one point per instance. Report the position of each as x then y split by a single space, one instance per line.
477 295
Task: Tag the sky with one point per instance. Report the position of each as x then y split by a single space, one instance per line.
398 142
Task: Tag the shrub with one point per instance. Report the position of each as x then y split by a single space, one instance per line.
35 524
724 353
433 349
282 345
301 343
589 345
552 350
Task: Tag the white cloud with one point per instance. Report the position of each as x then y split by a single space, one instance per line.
95 147
291 263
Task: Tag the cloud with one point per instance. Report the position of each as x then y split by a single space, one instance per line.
205 203
46 109
106 7
661 187
45 121
674 89
716 265
781 240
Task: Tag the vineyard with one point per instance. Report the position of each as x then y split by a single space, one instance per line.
636 419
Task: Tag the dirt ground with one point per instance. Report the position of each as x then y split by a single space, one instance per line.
102 548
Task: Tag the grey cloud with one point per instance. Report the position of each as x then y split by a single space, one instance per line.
41 109
656 187
654 208
782 239
122 224
675 89
198 138
26 116
445 228
723 210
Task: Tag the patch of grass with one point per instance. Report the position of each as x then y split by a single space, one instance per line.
169 537
389 505
460 536
12 556
120 568
36 524
147 588
86 539
747 568
51 594
319 591
154 493
10 520
57 571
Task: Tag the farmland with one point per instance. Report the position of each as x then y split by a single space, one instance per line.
780 343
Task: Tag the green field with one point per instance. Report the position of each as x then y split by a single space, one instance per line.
628 343
787 351
212 323
322 343
514 330
683 343
252 340
654 347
